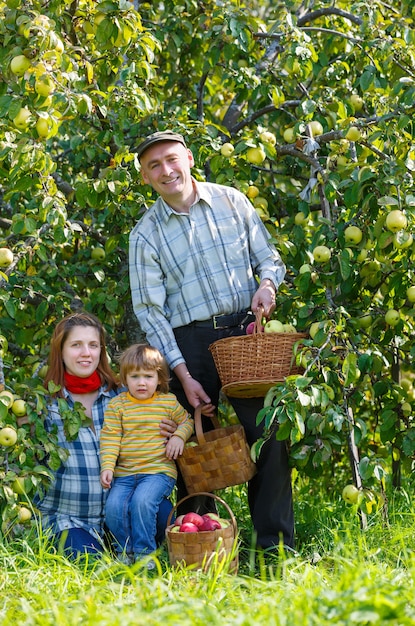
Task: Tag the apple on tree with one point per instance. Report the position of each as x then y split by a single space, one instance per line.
7 397
350 494
19 64
353 235
396 220
21 121
227 149
268 137
256 156
98 253
392 317
19 407
410 293
321 254
8 436
316 128
353 134
252 192
24 514
6 257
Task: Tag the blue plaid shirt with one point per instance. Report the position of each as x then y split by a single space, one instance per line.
75 499
190 267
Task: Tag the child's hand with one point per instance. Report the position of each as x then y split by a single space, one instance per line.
106 478
174 447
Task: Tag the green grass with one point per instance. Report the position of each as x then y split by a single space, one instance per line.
342 575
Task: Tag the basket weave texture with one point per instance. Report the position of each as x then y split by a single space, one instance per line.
220 459
249 365
200 550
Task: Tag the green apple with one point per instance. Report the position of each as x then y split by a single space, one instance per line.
353 235
226 149
321 254
402 240
350 494
21 121
19 407
6 257
289 135
98 253
260 203
356 101
24 514
406 409
353 134
268 137
7 398
392 317
18 485
19 64
274 326
256 156
44 86
316 128
305 268
365 321
42 127
8 436
396 220
410 293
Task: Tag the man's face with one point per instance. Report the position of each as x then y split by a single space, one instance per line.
166 167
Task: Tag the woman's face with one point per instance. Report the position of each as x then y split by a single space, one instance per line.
81 351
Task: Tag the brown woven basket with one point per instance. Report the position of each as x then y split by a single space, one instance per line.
220 459
201 550
249 365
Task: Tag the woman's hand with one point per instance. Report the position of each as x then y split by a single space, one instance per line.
167 428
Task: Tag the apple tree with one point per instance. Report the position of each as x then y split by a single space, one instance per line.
307 108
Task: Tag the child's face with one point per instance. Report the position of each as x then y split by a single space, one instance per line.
142 384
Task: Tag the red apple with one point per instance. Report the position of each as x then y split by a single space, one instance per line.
209 524
188 527
193 518
179 520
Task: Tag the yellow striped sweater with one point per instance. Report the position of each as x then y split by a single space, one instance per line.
131 442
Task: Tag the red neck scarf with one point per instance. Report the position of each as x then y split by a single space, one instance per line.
76 384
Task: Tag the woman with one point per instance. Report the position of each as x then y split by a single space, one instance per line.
73 506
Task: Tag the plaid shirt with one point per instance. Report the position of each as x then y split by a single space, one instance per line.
190 267
75 499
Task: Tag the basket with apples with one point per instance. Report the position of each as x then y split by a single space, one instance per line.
198 541
221 457
249 365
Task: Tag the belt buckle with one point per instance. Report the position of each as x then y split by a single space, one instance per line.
215 323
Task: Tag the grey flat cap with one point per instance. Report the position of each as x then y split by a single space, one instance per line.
161 135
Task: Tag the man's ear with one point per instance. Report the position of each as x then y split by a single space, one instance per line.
191 158
144 178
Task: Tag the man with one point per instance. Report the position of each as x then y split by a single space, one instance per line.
200 259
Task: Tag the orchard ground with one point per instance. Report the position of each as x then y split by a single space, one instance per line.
341 575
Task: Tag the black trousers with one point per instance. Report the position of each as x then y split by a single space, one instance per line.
269 492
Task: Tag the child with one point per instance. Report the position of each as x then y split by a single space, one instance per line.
134 456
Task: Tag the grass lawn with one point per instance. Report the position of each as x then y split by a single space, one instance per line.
341 575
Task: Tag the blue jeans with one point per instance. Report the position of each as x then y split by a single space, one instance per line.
131 511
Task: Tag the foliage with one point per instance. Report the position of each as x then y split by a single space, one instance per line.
97 77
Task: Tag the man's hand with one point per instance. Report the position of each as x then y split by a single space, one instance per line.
194 391
264 297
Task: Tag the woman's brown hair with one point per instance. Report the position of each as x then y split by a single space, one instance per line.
56 368
141 356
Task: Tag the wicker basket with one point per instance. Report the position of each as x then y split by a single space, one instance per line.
201 550
220 459
249 365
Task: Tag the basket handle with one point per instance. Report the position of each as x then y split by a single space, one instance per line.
211 495
259 313
198 424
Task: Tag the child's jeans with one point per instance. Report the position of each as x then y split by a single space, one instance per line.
131 511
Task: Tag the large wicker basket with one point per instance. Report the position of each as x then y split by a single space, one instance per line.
201 550
249 365
220 459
